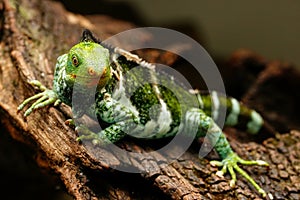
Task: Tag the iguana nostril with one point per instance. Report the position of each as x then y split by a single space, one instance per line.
91 71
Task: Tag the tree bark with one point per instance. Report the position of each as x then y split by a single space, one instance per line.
34 33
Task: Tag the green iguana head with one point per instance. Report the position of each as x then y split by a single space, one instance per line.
89 64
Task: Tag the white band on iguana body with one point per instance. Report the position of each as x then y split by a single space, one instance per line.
255 124
232 118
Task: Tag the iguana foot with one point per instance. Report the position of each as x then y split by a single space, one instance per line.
46 97
87 134
231 164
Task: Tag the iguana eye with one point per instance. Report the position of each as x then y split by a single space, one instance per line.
75 61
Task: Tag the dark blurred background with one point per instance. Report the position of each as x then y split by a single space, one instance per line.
270 28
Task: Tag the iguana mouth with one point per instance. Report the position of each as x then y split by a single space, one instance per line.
92 81
87 80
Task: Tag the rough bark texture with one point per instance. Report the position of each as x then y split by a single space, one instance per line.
34 33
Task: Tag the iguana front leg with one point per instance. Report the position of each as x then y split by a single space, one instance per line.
46 97
122 120
111 134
